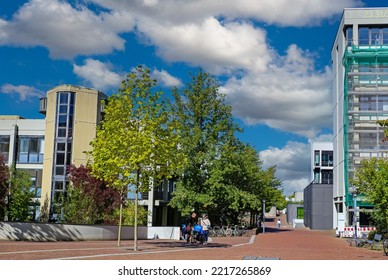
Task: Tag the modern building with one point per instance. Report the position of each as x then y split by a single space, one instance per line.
360 95
22 144
322 162
46 147
318 195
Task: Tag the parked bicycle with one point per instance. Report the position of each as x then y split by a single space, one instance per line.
238 230
385 243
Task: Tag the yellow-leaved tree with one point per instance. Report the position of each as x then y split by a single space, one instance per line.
137 142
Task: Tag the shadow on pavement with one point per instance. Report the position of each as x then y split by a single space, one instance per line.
274 230
183 244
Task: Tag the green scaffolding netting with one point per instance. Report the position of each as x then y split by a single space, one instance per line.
357 55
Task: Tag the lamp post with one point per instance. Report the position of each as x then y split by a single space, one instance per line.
263 215
355 214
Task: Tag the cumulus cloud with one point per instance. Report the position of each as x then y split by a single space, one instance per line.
280 12
289 96
24 92
98 74
292 165
166 79
64 30
67 31
212 45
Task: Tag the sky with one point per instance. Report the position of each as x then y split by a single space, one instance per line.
272 58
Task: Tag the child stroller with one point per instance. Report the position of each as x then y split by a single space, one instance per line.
198 235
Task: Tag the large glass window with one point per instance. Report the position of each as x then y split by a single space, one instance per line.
63 148
373 35
30 149
327 158
327 177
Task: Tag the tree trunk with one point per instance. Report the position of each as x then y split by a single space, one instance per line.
136 206
120 220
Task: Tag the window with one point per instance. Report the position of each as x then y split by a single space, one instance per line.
4 146
372 35
63 147
316 158
363 36
35 189
349 35
30 149
327 158
316 176
327 177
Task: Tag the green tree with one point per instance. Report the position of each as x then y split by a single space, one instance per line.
371 180
206 126
137 141
4 186
241 176
223 176
20 198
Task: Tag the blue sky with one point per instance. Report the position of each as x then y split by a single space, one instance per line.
272 57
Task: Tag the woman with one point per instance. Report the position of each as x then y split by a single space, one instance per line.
205 223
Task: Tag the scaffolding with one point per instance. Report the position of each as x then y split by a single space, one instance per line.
365 103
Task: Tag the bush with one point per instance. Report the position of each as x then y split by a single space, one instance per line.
371 234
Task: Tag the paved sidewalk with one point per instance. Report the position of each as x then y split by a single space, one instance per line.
285 243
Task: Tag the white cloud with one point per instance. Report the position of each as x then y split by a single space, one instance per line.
64 30
215 46
68 31
3 34
280 12
24 92
289 96
166 79
292 165
98 74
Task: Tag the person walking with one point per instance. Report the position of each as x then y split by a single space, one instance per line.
279 223
205 223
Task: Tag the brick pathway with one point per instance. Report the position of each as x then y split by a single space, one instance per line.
286 243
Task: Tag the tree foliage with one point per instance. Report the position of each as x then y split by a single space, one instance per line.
20 198
371 179
88 200
137 139
223 176
206 126
4 185
129 215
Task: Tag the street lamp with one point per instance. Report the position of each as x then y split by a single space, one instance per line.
263 215
355 214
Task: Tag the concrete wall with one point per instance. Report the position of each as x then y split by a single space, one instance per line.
66 232
318 206
292 212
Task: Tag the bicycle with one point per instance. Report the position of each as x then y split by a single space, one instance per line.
385 244
221 231
238 230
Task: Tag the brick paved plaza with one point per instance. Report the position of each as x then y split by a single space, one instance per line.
286 243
